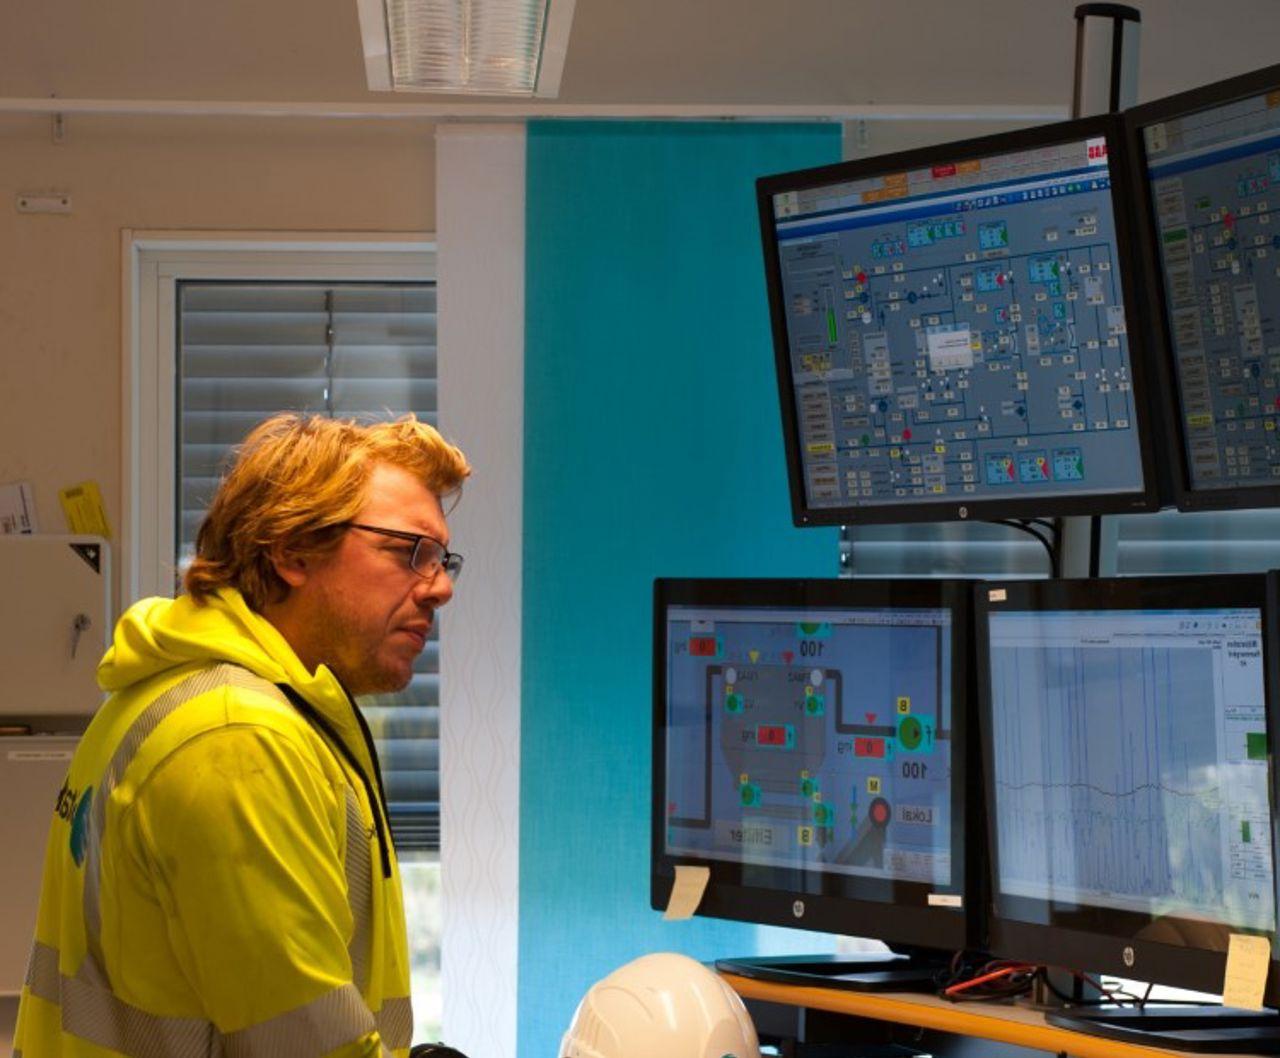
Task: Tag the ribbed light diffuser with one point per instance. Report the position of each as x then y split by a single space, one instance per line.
479 47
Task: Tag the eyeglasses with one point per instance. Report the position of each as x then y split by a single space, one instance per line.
428 556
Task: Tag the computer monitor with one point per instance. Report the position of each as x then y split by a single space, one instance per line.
810 750
1209 183
1125 727
953 331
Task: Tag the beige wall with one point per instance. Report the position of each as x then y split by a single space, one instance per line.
60 356
885 137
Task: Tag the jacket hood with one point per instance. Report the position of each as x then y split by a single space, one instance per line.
158 635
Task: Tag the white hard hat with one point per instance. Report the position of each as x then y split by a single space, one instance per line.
661 1006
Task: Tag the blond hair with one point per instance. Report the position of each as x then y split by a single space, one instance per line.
295 483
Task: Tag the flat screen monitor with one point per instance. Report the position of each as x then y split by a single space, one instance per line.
952 330
1209 180
1125 726
810 741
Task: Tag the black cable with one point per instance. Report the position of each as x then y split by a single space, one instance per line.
1014 978
1022 527
1051 549
1070 1000
1112 997
1095 546
377 805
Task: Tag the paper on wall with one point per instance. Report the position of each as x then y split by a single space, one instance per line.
84 510
17 508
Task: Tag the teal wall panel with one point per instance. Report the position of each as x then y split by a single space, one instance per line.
653 447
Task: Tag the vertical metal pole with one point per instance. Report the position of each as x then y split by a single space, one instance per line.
846 567
1106 75
328 353
1106 80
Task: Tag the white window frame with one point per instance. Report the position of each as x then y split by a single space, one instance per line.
154 263
480 373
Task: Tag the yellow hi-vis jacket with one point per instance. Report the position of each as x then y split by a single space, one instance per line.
219 878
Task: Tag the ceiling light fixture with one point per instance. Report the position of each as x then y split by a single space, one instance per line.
465 47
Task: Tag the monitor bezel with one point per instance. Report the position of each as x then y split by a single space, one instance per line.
903 914
1185 495
1146 498
1094 939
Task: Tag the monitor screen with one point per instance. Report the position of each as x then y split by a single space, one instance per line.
1212 185
809 744
1127 733
951 330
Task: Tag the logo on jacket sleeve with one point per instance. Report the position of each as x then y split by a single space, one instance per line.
80 826
73 807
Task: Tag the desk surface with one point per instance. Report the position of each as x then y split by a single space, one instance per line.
1006 1024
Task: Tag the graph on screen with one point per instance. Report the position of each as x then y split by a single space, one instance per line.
1130 757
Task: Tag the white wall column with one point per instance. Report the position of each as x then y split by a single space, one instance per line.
480 182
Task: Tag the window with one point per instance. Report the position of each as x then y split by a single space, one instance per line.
1204 542
941 549
366 351
227 338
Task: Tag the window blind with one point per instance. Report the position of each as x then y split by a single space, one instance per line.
941 549
1204 542
364 351
1134 545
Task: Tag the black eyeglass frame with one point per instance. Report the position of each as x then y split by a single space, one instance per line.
450 562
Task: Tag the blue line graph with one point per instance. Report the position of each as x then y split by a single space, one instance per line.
1113 786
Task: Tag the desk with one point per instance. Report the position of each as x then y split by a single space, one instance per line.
1005 1024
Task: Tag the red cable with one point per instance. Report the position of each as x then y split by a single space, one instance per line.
1004 971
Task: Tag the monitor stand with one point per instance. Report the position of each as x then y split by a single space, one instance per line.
1204 1029
905 970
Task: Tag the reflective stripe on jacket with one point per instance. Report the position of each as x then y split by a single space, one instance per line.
218 878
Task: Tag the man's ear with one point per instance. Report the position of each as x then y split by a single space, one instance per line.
290 566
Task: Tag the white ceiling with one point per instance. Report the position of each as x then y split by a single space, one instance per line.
819 52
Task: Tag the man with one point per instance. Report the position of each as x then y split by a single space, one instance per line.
219 878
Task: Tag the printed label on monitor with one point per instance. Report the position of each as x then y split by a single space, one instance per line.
812 740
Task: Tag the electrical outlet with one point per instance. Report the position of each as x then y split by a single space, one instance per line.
43 202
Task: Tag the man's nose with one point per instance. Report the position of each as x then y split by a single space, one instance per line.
434 591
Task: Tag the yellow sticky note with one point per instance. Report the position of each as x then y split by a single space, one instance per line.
82 505
1248 959
686 893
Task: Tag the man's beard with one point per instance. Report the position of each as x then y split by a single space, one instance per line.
340 638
